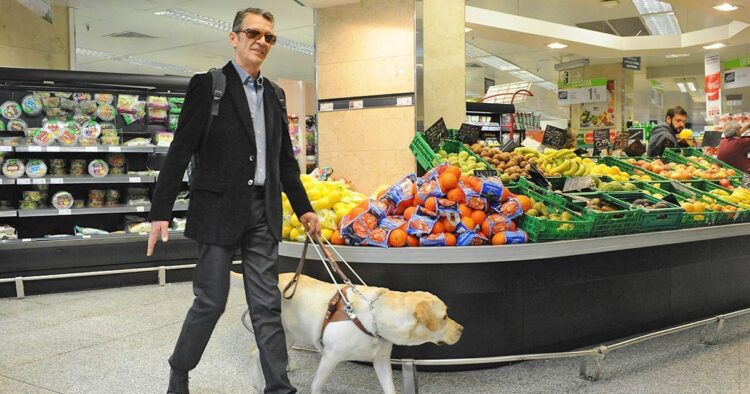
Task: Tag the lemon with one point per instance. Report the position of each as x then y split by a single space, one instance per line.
286 231
295 233
295 221
326 233
314 193
334 196
322 203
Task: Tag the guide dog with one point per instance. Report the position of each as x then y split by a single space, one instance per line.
387 317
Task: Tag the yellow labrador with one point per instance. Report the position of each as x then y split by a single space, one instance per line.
393 317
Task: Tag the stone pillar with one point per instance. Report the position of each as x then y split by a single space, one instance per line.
28 41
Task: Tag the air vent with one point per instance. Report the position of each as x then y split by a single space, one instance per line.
473 65
629 27
129 34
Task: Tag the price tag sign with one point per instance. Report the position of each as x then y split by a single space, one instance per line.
746 181
509 146
134 179
62 212
554 137
436 133
601 140
86 236
23 181
90 149
356 104
326 107
56 181
485 173
621 140
682 188
403 101
670 198
39 181
53 149
115 149
635 134
469 133
577 183
140 209
538 178
33 148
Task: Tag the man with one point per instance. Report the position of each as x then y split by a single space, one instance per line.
242 163
665 136
735 146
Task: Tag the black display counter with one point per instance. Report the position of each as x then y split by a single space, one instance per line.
559 296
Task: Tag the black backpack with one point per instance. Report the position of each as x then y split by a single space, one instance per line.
218 87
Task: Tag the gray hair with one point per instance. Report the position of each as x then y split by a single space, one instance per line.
240 16
731 129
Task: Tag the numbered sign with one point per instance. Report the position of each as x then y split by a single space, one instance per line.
469 133
601 140
436 133
554 137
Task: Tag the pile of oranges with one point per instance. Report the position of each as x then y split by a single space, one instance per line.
454 187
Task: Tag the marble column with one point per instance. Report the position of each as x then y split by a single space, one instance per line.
28 41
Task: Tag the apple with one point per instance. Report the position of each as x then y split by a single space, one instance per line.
724 182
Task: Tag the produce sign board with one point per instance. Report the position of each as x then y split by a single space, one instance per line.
635 133
737 73
554 137
577 183
601 140
711 138
586 91
538 178
509 146
682 188
485 173
436 133
621 140
746 181
469 133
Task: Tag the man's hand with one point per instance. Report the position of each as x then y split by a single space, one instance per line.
158 228
311 223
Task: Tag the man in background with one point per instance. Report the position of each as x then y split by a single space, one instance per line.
665 136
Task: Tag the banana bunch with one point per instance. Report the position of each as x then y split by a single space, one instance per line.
740 196
562 162
527 152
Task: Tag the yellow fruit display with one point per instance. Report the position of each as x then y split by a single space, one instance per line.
331 200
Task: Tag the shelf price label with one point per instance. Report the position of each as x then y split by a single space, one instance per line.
90 149
55 181
38 181
134 179
140 209
403 101
63 212
53 149
326 107
34 148
23 181
114 149
356 104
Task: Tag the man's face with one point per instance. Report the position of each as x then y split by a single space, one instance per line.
677 122
252 51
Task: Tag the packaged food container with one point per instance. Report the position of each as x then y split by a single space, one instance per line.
164 138
17 125
13 168
58 163
96 194
89 107
116 159
12 141
82 141
27 205
31 195
50 103
111 203
112 194
110 140
36 168
95 204
98 168
108 129
44 137
58 171
67 104
31 105
10 110
68 137
79 203
90 129
77 167
62 200
79 97
104 98
106 112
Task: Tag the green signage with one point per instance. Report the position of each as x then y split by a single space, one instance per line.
583 84
736 63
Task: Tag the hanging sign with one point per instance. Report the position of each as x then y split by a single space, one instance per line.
737 73
469 133
554 137
711 138
713 85
586 91
601 141
631 63
436 133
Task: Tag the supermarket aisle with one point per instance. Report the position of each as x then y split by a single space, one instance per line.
117 341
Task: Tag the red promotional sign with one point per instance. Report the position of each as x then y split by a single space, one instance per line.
713 86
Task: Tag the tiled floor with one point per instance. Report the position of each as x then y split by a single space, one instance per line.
118 340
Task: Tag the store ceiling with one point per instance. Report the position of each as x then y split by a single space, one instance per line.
180 43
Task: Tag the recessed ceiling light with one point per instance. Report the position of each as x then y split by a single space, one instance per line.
681 86
556 45
714 46
726 7
467 29
676 55
691 86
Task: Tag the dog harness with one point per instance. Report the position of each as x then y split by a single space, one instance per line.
337 312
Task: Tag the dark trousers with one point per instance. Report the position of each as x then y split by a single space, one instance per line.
211 288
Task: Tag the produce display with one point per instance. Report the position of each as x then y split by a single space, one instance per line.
512 165
685 172
554 162
466 162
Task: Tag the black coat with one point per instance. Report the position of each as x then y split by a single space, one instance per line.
219 210
662 137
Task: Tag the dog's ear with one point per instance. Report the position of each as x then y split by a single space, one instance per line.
424 315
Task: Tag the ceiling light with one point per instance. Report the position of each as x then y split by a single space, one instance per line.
556 45
725 7
220 25
652 6
691 86
715 46
496 62
676 55
473 51
681 86
662 24
134 60
467 29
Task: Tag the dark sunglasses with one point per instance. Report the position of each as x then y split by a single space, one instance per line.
253 34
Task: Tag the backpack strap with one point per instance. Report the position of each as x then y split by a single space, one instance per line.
218 87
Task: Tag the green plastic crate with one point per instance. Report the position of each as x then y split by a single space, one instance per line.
454 146
627 220
703 188
689 219
629 168
540 230
693 152
653 219
547 196
422 152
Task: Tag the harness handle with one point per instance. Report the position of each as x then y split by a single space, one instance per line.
326 256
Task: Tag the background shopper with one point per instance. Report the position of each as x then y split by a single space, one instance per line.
734 147
665 136
244 160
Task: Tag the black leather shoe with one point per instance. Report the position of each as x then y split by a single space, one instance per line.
178 382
